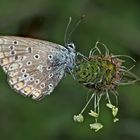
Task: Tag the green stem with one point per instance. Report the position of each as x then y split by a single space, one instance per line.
87 103
107 95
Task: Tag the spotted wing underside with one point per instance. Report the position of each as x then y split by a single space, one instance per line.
28 64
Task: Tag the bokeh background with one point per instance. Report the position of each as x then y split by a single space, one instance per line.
115 23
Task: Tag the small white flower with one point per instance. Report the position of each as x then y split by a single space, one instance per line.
96 126
93 114
115 120
110 105
78 118
113 108
114 111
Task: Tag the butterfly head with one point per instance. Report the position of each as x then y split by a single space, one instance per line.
70 46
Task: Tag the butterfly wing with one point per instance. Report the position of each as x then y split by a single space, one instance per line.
34 67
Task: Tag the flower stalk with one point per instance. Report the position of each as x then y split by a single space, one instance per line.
102 74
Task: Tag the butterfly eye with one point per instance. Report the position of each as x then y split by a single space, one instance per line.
71 45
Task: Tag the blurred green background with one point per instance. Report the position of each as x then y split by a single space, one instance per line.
115 23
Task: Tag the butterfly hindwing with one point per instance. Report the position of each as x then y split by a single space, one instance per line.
34 67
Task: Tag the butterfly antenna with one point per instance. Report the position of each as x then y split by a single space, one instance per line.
74 28
66 30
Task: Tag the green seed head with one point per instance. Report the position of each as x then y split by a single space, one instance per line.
99 73
103 72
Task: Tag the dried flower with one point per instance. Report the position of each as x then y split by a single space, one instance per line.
78 118
114 111
96 126
93 114
110 105
115 120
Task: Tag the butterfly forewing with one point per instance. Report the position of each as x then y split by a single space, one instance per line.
34 67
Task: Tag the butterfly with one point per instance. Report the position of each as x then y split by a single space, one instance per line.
35 67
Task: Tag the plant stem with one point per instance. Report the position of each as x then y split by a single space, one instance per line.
87 103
